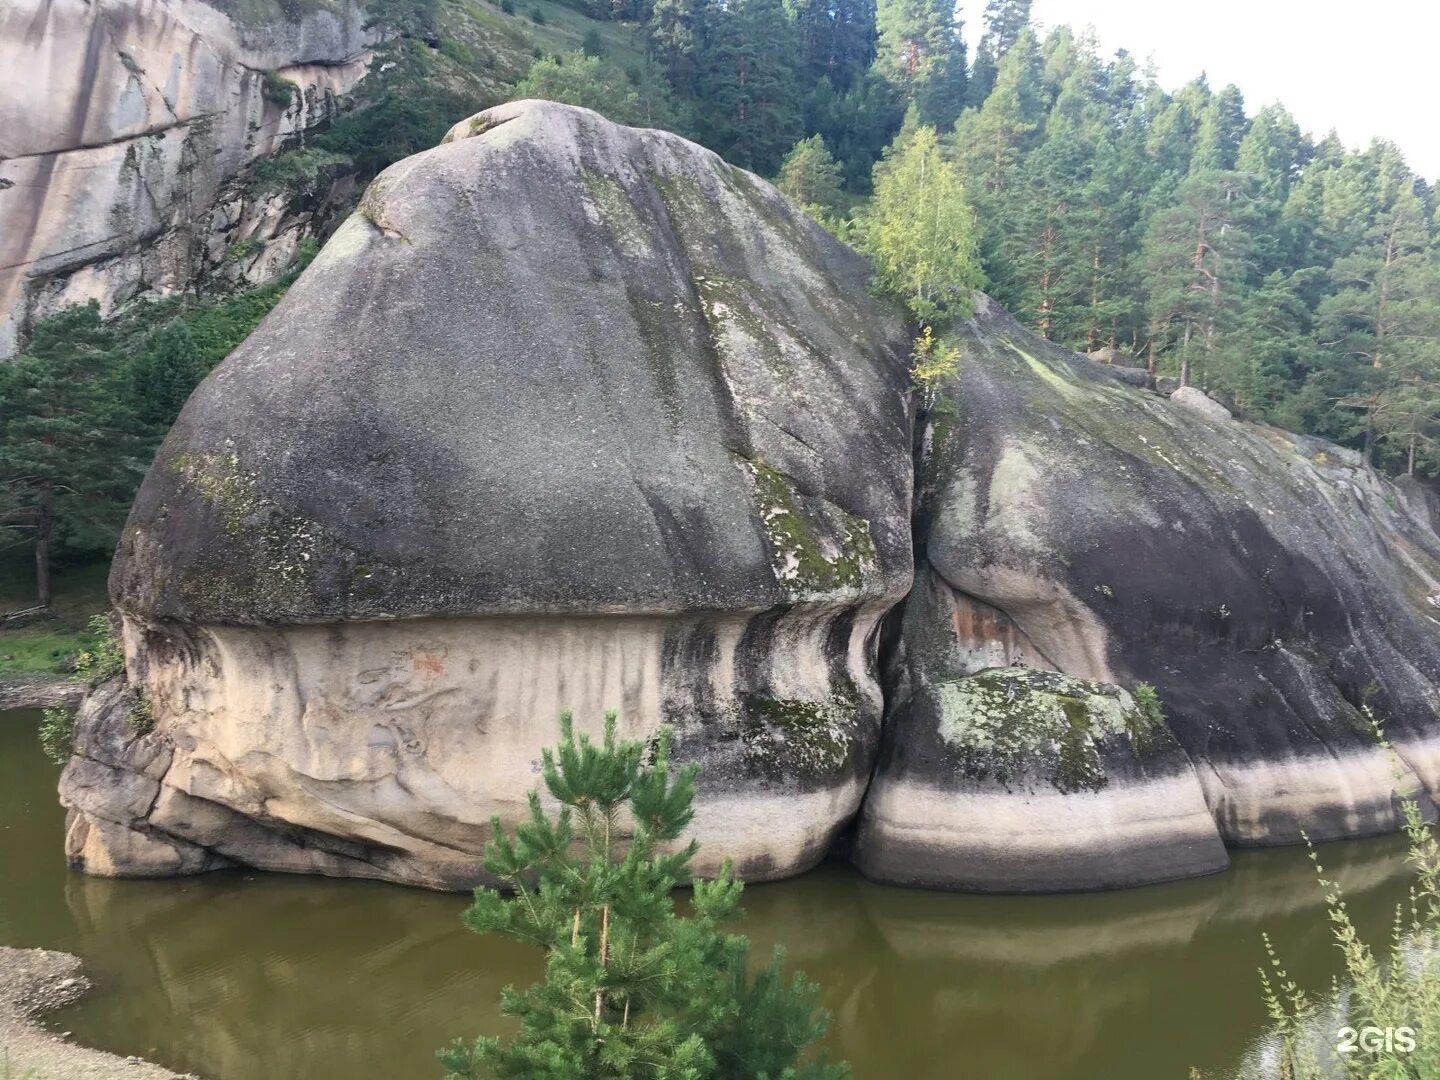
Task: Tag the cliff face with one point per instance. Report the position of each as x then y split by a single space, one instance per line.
122 123
570 415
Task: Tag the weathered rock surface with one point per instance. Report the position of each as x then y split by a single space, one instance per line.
570 415
1274 590
122 123
567 415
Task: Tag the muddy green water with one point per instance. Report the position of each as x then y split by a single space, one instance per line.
266 977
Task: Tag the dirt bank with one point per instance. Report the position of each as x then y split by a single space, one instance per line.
36 981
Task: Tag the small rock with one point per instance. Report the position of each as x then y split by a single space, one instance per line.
1193 398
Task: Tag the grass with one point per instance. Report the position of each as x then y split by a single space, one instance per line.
46 645
562 30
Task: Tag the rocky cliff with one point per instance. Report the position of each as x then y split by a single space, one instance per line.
122 125
570 415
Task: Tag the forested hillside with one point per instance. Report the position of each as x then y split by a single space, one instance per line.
1284 273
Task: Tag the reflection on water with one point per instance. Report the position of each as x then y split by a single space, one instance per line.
266 977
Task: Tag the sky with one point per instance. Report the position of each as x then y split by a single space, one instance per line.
1368 69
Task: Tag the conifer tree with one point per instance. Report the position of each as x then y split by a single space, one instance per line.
70 457
749 107
163 376
631 989
675 35
1005 21
1197 259
810 176
922 53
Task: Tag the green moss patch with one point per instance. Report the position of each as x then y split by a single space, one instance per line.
1011 723
792 738
813 549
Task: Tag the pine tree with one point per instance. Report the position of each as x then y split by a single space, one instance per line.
69 458
994 139
1197 260
675 35
1384 317
810 176
749 109
163 376
856 125
1005 21
922 53
578 79
631 988
838 39
1218 133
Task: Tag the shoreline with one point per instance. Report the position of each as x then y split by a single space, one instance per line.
39 691
32 983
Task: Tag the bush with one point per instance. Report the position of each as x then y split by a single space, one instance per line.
105 658
57 733
537 16
299 172
277 89
507 6
631 988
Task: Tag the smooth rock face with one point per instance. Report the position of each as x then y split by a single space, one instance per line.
568 415
1269 586
122 123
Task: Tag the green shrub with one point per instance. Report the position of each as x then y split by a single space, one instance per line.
57 733
105 658
140 714
537 16
299 172
457 51
277 89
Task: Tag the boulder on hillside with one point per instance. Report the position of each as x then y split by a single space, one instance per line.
1274 590
567 416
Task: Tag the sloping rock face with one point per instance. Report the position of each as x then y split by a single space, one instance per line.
122 123
1278 594
567 415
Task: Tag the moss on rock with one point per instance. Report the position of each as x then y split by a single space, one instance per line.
1007 723
810 553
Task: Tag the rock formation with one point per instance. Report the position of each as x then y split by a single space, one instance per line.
550 423
1277 593
122 123
570 415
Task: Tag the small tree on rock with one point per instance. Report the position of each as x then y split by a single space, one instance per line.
632 989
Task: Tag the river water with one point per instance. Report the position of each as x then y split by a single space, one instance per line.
246 976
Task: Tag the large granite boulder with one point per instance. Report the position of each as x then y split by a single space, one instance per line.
566 416
1280 597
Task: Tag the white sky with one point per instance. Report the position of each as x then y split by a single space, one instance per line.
1367 69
